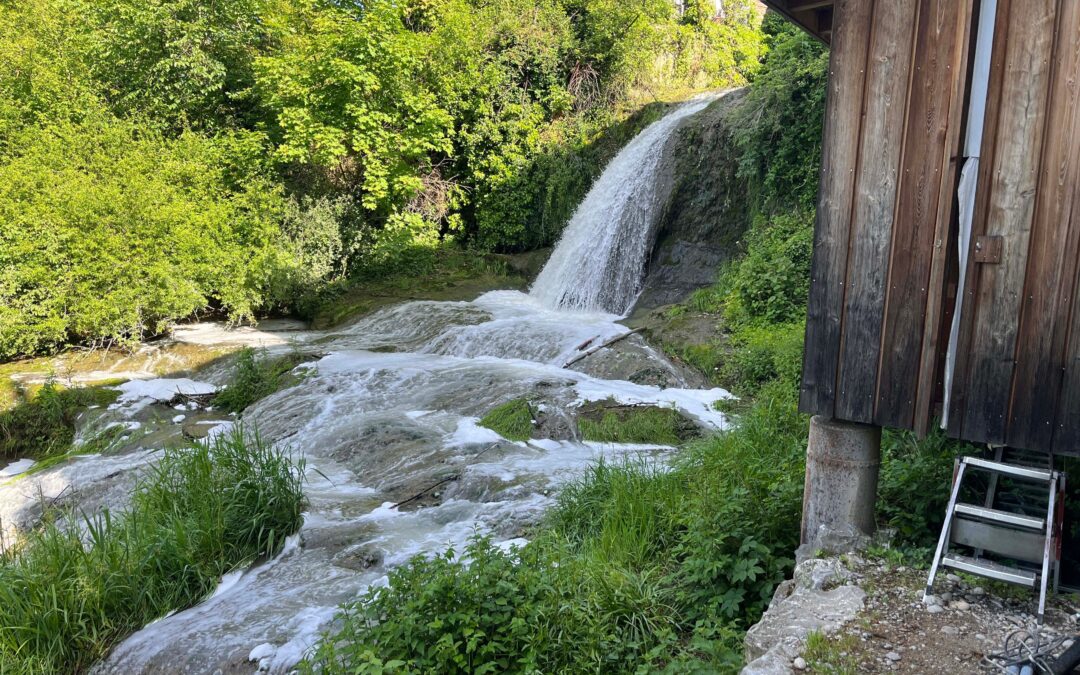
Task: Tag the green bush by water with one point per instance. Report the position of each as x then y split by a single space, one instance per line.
255 377
42 423
67 596
636 567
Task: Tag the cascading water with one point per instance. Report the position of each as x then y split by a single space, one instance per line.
600 260
376 428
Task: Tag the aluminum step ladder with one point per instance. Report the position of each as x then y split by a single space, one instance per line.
1023 537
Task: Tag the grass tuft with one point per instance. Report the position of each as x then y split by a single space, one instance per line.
67 595
832 655
512 420
255 377
613 423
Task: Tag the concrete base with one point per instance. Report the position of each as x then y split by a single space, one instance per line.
842 463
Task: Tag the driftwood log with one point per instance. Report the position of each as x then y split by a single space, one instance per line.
597 348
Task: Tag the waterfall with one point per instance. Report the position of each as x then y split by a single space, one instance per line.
599 263
382 409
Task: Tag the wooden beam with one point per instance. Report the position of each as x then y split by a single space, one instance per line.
839 162
813 16
801 5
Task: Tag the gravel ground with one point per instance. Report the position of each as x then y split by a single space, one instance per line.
967 620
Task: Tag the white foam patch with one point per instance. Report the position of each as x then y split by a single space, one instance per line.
267 334
17 467
699 403
469 432
162 389
227 582
511 544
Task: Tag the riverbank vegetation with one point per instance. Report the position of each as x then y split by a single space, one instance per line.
79 584
643 569
41 422
255 376
178 158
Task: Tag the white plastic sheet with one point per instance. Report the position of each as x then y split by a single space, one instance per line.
980 78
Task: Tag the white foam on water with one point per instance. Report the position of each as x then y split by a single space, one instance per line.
17 467
163 389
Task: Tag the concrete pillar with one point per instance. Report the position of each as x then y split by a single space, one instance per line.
842 462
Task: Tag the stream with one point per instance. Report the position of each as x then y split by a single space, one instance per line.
387 410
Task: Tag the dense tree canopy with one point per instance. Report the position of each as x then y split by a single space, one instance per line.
162 158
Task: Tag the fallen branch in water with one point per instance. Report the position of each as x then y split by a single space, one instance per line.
451 477
583 345
423 492
601 346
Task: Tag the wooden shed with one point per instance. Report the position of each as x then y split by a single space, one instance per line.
947 240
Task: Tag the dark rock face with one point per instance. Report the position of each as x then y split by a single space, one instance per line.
706 214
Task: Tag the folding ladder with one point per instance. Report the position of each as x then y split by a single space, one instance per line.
1030 538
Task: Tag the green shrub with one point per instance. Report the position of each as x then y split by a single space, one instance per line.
764 353
43 423
109 232
778 125
537 609
255 377
440 615
772 282
512 420
201 512
914 484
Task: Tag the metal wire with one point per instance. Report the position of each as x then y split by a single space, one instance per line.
1024 647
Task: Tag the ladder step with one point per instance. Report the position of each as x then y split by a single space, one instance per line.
1009 469
990 570
1003 517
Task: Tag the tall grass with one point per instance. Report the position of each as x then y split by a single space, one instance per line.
67 595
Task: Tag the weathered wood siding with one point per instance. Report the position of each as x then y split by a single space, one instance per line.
1018 372
892 129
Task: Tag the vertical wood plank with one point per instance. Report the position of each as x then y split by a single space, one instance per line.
944 265
1052 260
923 210
968 304
840 155
1011 192
876 178
1067 424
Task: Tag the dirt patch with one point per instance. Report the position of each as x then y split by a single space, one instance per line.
898 633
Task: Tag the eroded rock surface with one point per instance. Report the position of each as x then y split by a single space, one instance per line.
821 597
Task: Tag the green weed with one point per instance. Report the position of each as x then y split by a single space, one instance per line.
831 655
613 423
67 595
512 420
255 377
